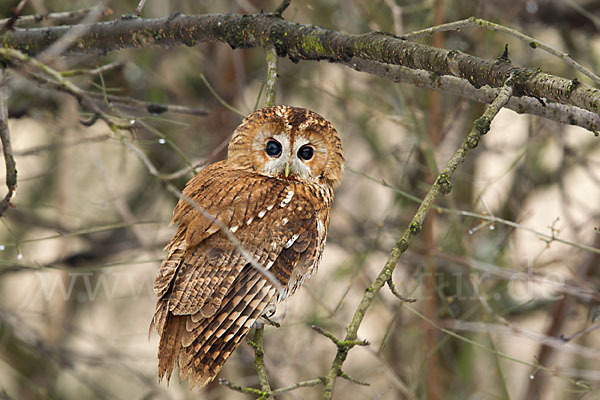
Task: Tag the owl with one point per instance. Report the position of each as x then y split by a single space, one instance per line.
273 193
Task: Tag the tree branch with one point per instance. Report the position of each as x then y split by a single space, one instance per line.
533 43
442 185
58 18
9 160
259 360
307 42
461 87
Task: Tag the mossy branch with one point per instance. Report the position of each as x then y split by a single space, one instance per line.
307 42
259 360
442 185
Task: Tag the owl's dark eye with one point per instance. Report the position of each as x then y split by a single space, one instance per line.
306 152
273 148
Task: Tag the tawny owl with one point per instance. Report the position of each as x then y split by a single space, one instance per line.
273 193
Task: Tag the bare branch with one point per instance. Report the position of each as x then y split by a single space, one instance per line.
442 185
93 72
312 382
9 160
10 23
71 36
562 113
58 18
533 43
395 292
140 6
282 7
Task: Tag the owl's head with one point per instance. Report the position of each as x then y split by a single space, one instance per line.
288 143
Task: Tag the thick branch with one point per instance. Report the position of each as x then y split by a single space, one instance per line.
307 42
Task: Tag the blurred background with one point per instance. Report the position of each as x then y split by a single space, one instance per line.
79 251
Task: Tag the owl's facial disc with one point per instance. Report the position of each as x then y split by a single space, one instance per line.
284 159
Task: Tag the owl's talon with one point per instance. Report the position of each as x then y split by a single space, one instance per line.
265 318
266 321
269 311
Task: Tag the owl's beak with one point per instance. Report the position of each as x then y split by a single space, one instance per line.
287 170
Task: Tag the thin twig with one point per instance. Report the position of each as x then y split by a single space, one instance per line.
490 218
140 6
395 292
241 389
69 38
93 72
442 185
10 23
219 98
282 7
338 342
577 7
554 342
122 101
58 18
580 333
353 380
533 43
312 382
16 56
9 160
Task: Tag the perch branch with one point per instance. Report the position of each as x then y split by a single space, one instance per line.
259 360
442 185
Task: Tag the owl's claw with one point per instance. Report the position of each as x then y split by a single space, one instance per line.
269 310
264 320
267 314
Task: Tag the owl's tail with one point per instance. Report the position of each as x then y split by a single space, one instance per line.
201 345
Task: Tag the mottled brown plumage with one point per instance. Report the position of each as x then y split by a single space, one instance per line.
275 200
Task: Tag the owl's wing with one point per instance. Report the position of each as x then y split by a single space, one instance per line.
258 210
205 285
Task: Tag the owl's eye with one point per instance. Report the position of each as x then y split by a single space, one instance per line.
273 148
306 152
